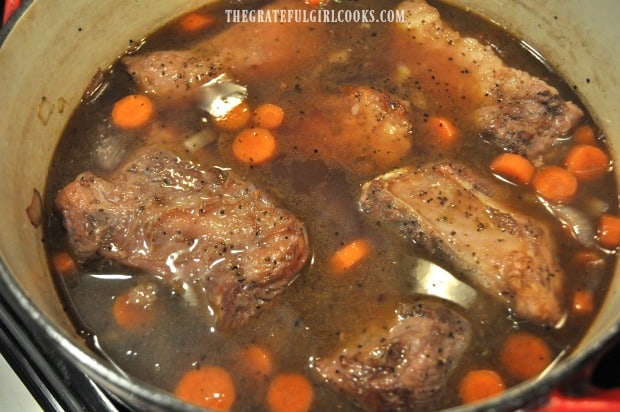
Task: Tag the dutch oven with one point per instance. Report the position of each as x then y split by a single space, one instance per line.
50 50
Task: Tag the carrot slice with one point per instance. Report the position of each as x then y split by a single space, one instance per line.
268 116
583 302
514 168
525 355
237 118
584 135
443 131
290 392
254 146
480 384
609 231
555 184
132 112
256 361
581 258
587 162
194 22
210 387
349 255
131 314
63 263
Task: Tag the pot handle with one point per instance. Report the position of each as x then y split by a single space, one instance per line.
9 7
598 400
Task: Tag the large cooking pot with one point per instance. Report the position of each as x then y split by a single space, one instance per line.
51 49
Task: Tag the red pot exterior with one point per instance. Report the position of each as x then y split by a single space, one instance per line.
553 400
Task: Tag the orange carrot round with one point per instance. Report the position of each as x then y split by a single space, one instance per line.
480 384
268 116
443 131
555 184
237 118
63 263
256 361
290 392
194 22
581 258
514 168
209 387
608 232
349 255
525 355
587 162
131 314
584 135
132 112
254 146
583 302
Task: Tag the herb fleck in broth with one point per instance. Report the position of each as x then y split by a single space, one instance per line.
318 312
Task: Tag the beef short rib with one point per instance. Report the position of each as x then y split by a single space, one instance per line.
245 51
214 237
515 111
403 365
455 214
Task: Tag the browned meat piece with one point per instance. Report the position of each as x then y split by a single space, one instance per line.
172 72
516 111
358 128
212 236
245 51
404 365
453 213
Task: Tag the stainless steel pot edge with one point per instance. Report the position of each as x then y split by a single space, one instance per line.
117 385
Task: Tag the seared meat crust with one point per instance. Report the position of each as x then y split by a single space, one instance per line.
453 213
516 111
404 365
244 51
204 231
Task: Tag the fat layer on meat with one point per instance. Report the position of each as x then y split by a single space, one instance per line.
403 365
452 212
214 237
444 71
357 128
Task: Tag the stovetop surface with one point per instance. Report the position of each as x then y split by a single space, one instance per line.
52 382
14 396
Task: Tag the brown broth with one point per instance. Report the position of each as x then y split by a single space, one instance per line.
318 309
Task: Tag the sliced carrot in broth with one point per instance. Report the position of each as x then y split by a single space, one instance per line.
349 255
525 355
480 384
209 387
290 392
514 168
133 111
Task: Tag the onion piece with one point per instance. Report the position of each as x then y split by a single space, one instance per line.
199 140
595 206
35 209
111 151
46 108
579 224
